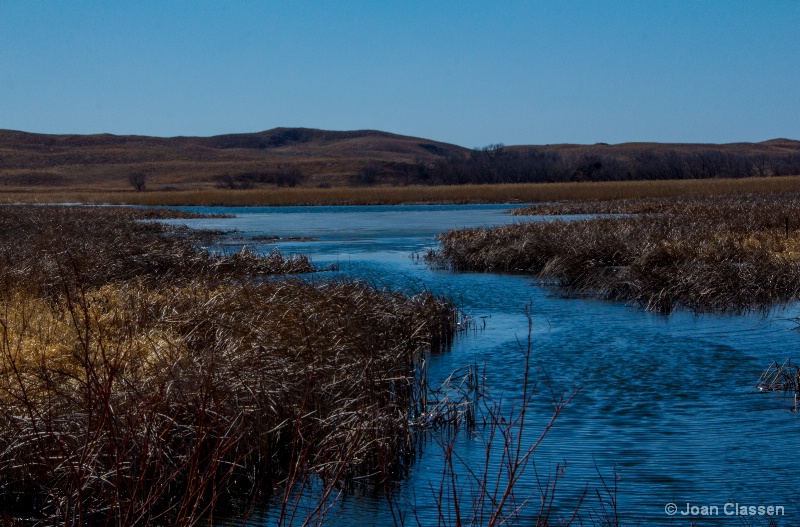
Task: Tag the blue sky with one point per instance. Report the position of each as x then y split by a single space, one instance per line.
470 73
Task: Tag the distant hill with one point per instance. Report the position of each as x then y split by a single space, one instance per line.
313 158
286 155
771 147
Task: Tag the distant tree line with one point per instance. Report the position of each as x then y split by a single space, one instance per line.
498 164
284 177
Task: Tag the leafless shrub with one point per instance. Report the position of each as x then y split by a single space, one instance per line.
489 492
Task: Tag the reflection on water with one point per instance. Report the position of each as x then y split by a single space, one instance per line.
666 407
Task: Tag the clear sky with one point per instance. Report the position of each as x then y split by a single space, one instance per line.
470 73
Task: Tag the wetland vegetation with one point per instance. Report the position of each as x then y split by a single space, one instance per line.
147 379
725 253
144 379
447 194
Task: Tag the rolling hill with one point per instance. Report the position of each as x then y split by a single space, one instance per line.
316 158
105 162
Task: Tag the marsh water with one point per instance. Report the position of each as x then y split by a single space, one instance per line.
666 410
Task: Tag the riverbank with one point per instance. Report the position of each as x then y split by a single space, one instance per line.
726 253
143 379
412 194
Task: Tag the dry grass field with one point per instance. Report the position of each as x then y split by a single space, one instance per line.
509 193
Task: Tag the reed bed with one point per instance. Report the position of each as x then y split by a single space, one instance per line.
43 247
728 253
489 193
143 379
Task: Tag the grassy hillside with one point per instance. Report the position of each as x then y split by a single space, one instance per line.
259 168
270 158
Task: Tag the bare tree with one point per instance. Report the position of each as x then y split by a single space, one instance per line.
289 177
369 174
138 180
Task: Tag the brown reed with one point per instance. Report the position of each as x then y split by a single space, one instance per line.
780 378
143 379
728 253
488 193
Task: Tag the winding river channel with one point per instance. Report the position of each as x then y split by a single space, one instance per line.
667 410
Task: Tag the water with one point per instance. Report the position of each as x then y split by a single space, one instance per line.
666 409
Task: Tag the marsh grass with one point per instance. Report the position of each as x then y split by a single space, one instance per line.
499 193
729 253
144 380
